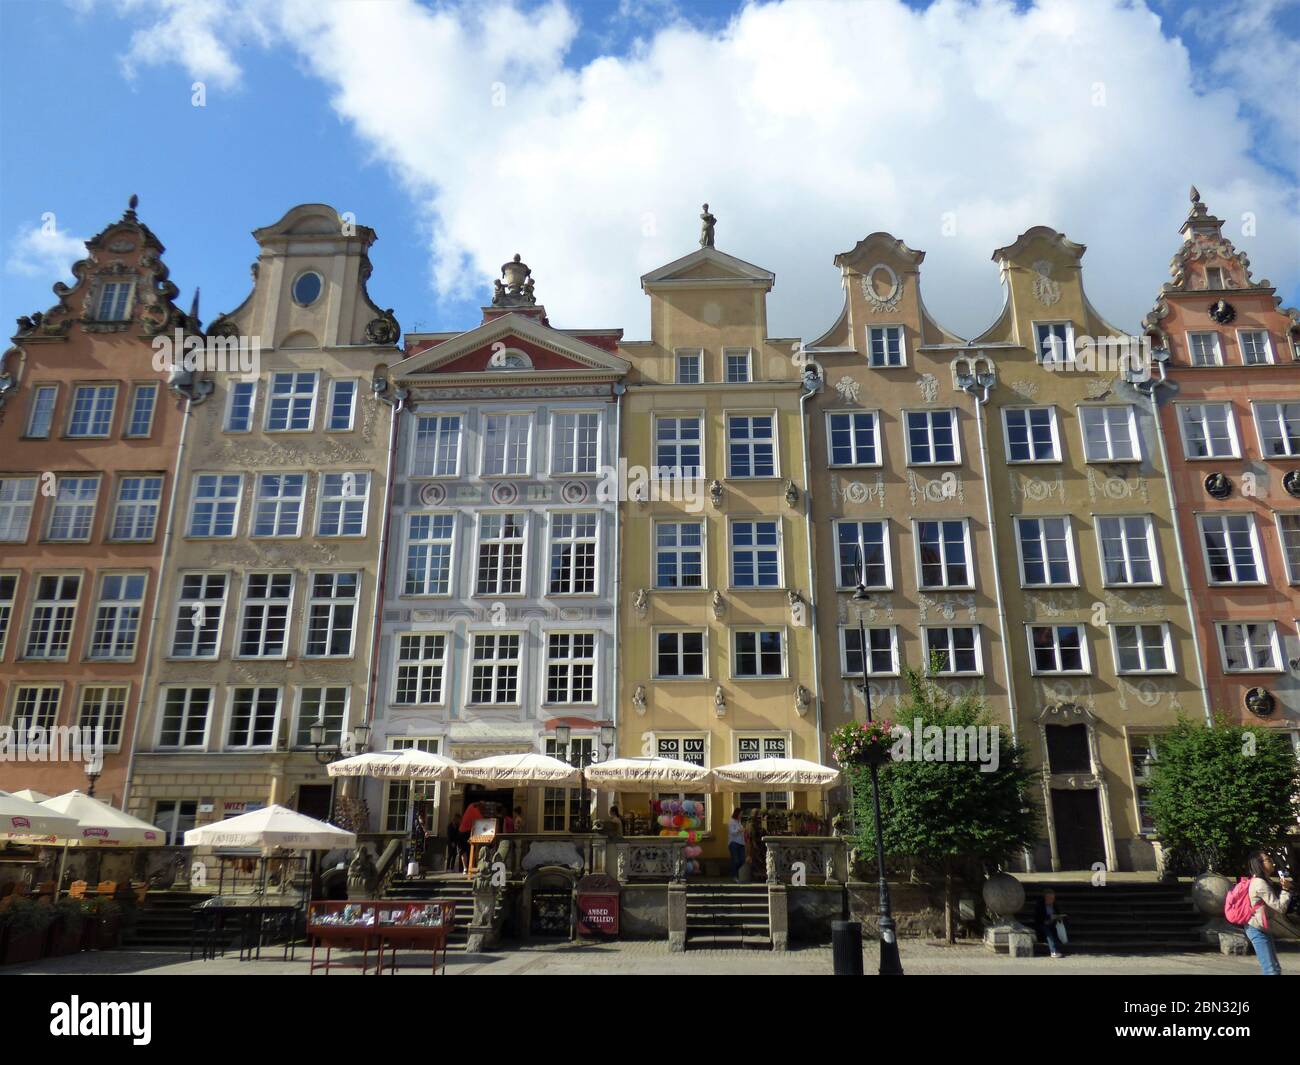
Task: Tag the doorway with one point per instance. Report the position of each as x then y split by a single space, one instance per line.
314 800
1077 816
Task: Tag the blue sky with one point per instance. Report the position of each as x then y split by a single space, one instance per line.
585 136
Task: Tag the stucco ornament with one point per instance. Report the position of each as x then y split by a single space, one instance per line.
384 329
716 601
929 386
791 494
719 701
641 601
638 699
802 700
848 389
878 303
1046 291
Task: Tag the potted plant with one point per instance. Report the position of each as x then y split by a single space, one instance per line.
862 743
23 924
66 928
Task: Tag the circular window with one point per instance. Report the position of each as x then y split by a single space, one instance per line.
306 290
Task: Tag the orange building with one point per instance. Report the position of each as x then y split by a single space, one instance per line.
89 435
1231 423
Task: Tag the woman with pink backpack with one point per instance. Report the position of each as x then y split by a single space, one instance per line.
1247 905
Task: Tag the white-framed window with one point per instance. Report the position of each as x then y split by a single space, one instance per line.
435 450
690 366
679 441
575 442
1058 649
341 510
1109 433
1204 348
853 438
1142 648
54 610
755 551
264 625
886 346
1279 428
1232 551
254 713
758 654
1142 754
943 554
751 445
144 400
241 398
1214 277
1046 548
564 809
184 718
1256 349
1209 430
506 444
1249 646
214 506
953 651
500 554
399 795
332 614
73 514
882 651
573 553
738 365
175 817
1128 549
751 747
135 516
328 706
932 437
343 405
494 668
570 667
200 607
117 616
114 299
36 706
680 654
277 504
421 666
103 708
1054 342
40 419
8 597
92 411
291 406
865 542
1031 434
17 499
679 554
428 554
1288 534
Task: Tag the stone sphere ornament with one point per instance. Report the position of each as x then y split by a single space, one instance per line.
1004 895
1208 892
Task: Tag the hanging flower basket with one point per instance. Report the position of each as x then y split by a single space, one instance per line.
862 743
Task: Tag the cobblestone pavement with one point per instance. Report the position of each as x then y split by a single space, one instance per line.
654 959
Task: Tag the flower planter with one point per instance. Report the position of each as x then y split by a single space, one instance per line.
64 938
110 932
23 947
90 933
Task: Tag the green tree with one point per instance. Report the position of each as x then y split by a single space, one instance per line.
1219 791
946 813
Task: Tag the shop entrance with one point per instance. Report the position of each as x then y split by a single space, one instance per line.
494 802
314 800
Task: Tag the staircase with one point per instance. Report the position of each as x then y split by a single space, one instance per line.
1122 918
458 891
725 915
164 922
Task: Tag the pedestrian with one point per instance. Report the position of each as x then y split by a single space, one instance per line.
1050 922
1263 897
452 860
736 843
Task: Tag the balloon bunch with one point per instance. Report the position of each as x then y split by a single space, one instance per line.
684 819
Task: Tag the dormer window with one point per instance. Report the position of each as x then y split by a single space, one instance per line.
1214 277
114 299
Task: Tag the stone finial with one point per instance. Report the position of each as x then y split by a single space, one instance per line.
1195 195
517 288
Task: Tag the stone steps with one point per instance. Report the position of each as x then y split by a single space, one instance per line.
728 916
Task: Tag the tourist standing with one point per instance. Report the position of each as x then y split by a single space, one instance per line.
1264 897
736 843
1049 921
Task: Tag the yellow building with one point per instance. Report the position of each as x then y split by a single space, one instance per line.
717 660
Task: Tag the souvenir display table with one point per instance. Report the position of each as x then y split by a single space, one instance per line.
379 925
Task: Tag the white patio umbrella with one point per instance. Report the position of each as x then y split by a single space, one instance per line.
21 819
269 828
101 825
643 772
520 770
31 795
794 773
410 764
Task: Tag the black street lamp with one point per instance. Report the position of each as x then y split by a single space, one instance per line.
890 963
574 756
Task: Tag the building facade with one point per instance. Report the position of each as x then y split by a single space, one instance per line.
499 601
88 441
1231 424
1096 599
718 654
269 594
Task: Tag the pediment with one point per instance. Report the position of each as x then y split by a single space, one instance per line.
512 344
708 266
880 247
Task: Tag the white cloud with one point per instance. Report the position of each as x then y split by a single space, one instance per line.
805 126
45 251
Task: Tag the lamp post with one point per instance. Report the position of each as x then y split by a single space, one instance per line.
890 964
92 775
326 754
571 754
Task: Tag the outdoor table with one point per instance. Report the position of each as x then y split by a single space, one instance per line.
251 921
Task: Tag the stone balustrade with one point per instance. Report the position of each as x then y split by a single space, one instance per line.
823 859
649 858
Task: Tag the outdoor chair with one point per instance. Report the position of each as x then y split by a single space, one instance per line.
77 890
46 887
106 888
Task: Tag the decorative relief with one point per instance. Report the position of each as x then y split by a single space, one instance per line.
1052 604
1034 489
848 389
929 386
1027 389
1099 388
1136 602
947 607
1115 487
879 304
1046 291
508 392
946 487
858 492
